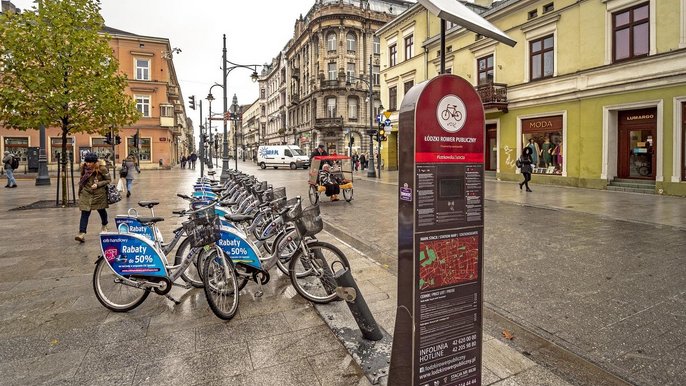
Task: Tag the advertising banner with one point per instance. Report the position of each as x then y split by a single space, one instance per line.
132 254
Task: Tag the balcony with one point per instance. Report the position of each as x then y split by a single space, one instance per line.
328 123
329 84
295 73
295 99
172 92
493 95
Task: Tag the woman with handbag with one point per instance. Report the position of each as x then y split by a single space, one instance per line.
92 193
524 163
128 166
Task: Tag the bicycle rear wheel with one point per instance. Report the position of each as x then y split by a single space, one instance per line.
221 285
312 273
192 274
112 293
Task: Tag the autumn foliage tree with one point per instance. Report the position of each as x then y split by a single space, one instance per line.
58 70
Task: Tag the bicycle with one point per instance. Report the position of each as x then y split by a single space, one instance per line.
134 266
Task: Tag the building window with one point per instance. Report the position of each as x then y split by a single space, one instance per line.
407 86
409 47
145 154
103 150
548 8
485 68
262 93
17 146
541 63
351 72
142 69
376 45
166 110
331 41
376 76
544 137
351 42
56 147
331 107
352 108
143 104
392 55
533 14
332 71
631 32
393 98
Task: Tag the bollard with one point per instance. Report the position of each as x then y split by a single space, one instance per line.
347 290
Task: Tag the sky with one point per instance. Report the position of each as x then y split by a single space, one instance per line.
256 31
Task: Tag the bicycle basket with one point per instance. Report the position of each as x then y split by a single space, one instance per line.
278 204
202 228
295 209
310 222
279 193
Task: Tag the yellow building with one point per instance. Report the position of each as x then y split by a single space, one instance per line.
164 132
596 88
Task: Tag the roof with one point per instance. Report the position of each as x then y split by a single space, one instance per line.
115 31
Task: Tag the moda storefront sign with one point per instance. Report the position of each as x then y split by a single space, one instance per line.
552 123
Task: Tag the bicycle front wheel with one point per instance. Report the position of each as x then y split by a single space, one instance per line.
221 285
112 292
311 273
192 274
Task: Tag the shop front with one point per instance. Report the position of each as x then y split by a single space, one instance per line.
637 138
544 136
491 155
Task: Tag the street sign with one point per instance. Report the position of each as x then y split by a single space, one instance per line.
378 118
387 114
387 122
438 329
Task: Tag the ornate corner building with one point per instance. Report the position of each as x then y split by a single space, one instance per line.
316 90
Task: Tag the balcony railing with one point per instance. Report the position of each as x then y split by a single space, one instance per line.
295 99
328 122
329 83
493 95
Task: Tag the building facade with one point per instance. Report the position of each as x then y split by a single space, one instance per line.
596 88
163 133
317 89
250 129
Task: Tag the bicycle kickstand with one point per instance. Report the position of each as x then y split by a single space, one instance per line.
172 299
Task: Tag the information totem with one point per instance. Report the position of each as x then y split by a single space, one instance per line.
438 329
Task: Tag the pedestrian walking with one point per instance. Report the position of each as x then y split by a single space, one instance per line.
524 163
92 193
356 161
183 161
9 162
193 158
129 165
319 151
363 161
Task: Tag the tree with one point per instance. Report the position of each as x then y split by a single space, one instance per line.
57 69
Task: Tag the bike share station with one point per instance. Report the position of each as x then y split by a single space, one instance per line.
438 327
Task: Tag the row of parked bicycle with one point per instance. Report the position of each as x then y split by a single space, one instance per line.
236 232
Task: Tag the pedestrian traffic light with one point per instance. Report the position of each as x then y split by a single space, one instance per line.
191 102
117 139
108 138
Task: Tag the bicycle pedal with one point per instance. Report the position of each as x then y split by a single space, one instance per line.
172 299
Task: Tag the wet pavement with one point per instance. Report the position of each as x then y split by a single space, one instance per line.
597 273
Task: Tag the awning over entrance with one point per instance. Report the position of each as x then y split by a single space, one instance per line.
454 11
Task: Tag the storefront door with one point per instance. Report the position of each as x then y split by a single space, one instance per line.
637 140
491 147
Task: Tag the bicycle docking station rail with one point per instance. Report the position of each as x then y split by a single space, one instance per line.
349 291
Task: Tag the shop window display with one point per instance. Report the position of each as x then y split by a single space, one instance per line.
546 150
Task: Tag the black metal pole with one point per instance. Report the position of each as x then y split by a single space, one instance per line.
225 142
350 292
43 176
202 145
370 171
442 46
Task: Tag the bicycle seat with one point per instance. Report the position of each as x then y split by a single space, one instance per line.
149 220
239 217
148 204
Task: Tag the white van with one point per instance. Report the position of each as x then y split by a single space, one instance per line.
282 155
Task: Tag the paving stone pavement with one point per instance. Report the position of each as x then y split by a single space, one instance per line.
55 332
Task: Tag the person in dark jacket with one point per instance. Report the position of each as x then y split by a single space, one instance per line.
92 193
320 150
526 161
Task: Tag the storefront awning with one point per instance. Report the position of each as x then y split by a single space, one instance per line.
456 12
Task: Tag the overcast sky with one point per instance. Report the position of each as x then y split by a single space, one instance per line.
256 30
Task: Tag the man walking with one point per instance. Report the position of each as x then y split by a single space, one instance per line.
193 158
7 161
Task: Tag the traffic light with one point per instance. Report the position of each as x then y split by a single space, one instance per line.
191 102
108 138
135 140
117 139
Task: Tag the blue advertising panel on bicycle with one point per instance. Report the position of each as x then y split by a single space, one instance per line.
233 243
132 254
204 194
128 224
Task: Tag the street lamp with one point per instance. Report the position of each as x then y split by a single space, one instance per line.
210 98
225 72
371 172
